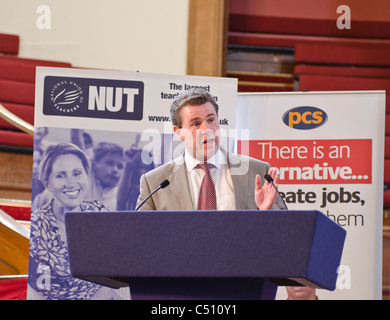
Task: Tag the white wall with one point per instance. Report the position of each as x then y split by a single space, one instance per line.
133 35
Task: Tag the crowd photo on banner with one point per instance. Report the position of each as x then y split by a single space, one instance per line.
98 171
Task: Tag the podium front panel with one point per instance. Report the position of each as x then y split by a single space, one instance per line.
289 247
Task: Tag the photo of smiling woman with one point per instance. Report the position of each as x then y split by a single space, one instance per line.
64 171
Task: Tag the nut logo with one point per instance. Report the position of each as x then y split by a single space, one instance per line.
305 118
93 98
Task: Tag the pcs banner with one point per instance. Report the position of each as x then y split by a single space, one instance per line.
329 149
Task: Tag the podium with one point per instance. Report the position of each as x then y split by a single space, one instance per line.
205 254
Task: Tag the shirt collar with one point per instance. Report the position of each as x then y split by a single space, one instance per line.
216 160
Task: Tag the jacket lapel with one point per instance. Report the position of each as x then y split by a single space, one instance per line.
180 186
239 178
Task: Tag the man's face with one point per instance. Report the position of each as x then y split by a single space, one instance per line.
200 130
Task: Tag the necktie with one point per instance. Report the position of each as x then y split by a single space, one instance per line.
207 198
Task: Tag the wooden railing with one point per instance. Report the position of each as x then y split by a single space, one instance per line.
15 169
16 121
14 246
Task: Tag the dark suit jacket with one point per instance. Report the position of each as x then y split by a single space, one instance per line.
177 195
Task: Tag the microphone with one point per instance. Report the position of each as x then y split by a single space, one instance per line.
271 181
162 185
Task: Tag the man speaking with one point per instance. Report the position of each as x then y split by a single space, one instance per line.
205 176
194 115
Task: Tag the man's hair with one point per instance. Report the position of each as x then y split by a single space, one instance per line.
192 97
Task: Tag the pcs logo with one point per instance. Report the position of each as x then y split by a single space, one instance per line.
93 98
305 118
